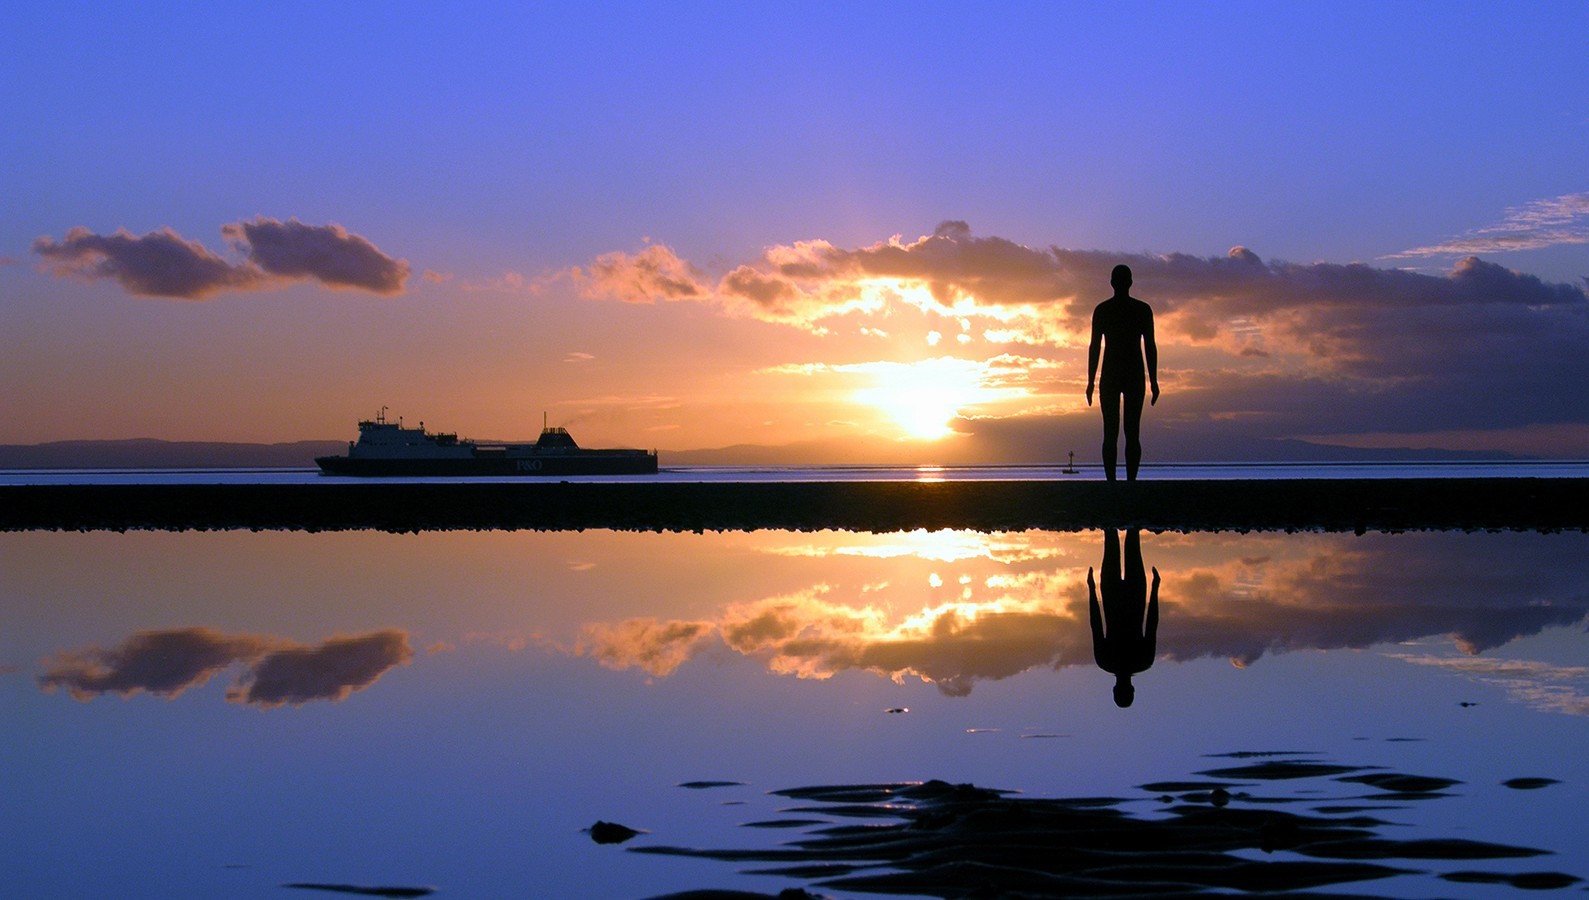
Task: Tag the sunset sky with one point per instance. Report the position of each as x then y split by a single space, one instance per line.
844 233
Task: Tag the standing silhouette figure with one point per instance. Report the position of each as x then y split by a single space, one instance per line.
1124 325
1125 630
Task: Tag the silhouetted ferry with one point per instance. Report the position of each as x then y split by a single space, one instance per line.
387 448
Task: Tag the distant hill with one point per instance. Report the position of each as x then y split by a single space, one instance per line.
148 453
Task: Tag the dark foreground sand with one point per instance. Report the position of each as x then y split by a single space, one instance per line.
1546 504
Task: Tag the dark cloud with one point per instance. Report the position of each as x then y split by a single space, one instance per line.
767 291
159 264
329 254
164 264
168 662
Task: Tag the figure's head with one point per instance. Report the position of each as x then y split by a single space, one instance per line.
1120 278
1124 693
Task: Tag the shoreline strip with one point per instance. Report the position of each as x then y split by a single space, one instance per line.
1533 504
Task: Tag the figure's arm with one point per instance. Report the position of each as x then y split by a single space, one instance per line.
1151 632
1145 651
1150 349
1092 355
1093 612
1096 617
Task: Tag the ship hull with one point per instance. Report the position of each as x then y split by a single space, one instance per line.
594 464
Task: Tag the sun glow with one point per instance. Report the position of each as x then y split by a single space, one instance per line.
924 397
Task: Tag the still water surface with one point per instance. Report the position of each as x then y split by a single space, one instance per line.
217 714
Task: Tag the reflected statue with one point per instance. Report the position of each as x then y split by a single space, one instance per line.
1124 326
1125 630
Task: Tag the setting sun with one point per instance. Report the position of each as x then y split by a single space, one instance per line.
923 397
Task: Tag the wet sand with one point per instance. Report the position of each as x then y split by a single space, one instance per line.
1543 504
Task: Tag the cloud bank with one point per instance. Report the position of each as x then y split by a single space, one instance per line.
1249 348
277 671
952 272
164 264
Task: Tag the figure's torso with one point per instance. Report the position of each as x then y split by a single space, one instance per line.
1123 322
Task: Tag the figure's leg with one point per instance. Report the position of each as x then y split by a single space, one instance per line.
1136 580
1111 553
1133 423
1109 399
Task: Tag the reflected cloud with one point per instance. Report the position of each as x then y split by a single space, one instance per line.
1540 685
1227 601
809 636
168 662
330 671
655 646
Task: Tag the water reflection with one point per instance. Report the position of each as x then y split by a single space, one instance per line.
996 605
950 608
1125 628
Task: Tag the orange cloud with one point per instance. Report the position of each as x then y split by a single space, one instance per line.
655 273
